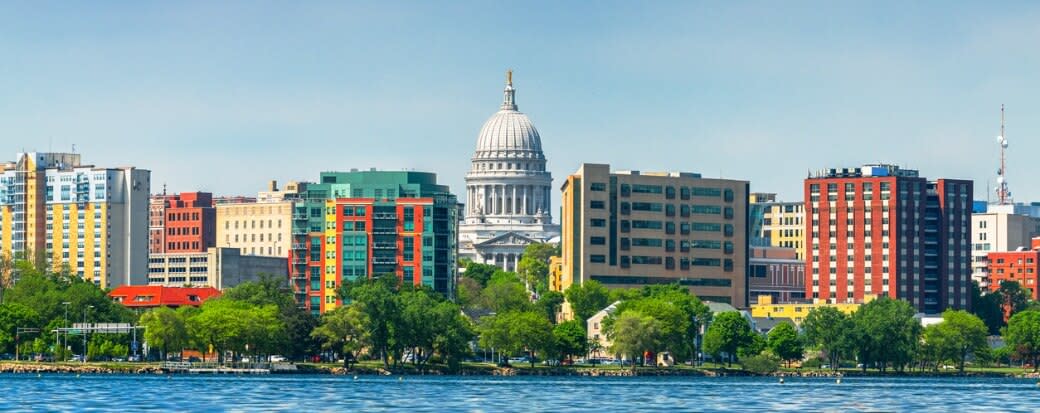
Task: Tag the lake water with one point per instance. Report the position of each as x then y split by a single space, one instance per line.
26 392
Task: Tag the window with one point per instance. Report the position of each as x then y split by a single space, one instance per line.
597 222
596 204
598 241
598 186
597 258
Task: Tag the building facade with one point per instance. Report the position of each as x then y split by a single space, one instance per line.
508 190
185 222
765 307
219 268
144 297
998 231
1021 265
886 231
777 224
629 229
259 226
353 225
92 220
777 273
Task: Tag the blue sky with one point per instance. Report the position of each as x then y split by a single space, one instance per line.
223 96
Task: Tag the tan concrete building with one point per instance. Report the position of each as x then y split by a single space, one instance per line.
261 227
777 224
628 229
219 268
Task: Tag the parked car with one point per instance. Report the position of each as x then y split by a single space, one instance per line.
278 359
134 358
77 357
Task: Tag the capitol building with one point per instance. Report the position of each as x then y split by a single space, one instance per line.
508 190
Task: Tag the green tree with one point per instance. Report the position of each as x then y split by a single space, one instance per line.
13 316
164 329
453 335
1022 336
342 329
829 329
989 307
376 299
517 331
886 333
570 339
550 302
1013 297
468 292
963 334
755 345
480 273
505 293
728 332
533 267
784 343
633 333
296 342
586 299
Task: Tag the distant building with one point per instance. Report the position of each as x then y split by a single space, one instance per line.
778 273
1021 265
151 296
362 224
766 308
219 268
508 190
597 334
95 220
776 224
259 226
883 230
998 230
184 222
629 229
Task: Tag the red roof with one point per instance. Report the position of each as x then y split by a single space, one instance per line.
144 296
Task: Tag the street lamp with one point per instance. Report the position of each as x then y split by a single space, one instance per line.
65 325
85 329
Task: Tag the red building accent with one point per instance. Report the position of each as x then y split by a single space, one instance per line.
190 223
886 231
1021 266
151 296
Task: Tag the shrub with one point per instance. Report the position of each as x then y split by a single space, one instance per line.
762 363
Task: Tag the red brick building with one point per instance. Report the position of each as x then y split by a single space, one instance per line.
886 231
151 296
186 222
1022 266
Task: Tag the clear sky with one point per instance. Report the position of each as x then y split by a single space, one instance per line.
223 96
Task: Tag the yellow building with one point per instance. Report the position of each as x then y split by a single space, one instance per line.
797 311
260 227
779 224
94 221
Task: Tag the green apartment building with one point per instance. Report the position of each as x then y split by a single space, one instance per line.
357 224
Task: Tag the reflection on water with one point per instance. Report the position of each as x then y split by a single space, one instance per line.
25 392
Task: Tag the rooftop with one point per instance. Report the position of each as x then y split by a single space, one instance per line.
147 296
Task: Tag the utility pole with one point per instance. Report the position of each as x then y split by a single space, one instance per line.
65 325
84 332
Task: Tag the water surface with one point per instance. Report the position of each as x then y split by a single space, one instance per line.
181 393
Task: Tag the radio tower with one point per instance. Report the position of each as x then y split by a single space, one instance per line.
1003 193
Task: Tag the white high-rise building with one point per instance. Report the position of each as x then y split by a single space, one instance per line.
508 190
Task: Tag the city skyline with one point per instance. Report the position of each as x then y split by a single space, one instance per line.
742 91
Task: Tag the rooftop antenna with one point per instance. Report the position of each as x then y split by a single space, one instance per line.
73 148
1003 193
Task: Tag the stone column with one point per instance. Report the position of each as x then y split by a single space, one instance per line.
513 202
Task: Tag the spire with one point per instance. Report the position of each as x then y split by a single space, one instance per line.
509 100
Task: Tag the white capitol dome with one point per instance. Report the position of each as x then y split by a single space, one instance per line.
508 189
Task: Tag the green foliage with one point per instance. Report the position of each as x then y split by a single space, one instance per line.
505 293
570 339
831 331
533 267
550 302
633 333
165 329
468 293
13 316
342 329
762 363
1022 336
755 345
1014 298
376 299
296 342
784 343
516 331
958 336
587 298
886 333
728 332
480 273
988 307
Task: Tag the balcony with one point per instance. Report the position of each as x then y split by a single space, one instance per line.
384 215
300 217
384 230
384 260
299 246
299 261
385 245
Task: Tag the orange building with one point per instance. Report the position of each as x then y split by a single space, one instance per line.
1021 266
186 222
